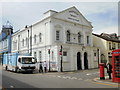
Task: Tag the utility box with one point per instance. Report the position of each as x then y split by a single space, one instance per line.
116 65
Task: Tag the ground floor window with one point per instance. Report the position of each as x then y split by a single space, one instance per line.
35 54
64 53
40 55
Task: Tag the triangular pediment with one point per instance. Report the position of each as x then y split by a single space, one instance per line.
73 15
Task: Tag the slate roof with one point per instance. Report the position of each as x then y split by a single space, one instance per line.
109 37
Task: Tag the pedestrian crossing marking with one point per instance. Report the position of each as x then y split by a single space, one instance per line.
80 79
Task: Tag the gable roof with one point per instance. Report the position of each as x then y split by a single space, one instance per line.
88 22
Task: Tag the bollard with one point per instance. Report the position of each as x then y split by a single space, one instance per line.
102 75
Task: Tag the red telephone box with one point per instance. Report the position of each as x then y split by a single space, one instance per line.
116 65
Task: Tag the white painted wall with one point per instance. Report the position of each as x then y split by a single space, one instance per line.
48 29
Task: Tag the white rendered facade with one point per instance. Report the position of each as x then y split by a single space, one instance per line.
68 28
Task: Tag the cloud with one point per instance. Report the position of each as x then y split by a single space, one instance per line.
108 30
89 8
101 14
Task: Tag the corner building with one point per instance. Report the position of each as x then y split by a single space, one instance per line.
68 28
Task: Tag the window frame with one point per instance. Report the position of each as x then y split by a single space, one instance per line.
68 36
79 37
88 40
23 42
40 37
40 55
35 38
57 35
110 45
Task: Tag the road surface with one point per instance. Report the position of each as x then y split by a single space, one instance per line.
80 79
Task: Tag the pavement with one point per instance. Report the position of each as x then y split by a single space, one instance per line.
107 81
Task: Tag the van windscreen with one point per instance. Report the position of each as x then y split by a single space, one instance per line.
28 60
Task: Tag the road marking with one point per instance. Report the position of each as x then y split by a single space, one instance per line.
87 80
107 84
92 73
11 86
53 76
64 77
80 79
73 78
59 76
68 77
88 74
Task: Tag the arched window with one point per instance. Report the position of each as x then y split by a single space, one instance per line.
34 38
109 45
40 37
79 37
88 41
57 35
68 35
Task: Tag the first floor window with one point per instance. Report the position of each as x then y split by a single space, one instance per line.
23 42
79 38
109 46
57 35
68 36
26 41
88 40
40 37
94 54
34 38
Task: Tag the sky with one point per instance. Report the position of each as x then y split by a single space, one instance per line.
103 15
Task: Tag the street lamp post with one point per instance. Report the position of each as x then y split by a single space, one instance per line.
31 41
49 58
60 53
18 43
28 41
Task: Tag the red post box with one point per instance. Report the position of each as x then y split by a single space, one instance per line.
116 65
102 74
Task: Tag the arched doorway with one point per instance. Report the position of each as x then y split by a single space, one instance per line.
79 66
85 61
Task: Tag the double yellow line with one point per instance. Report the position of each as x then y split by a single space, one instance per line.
114 85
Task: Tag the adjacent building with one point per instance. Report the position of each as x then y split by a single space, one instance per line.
5 39
68 29
106 43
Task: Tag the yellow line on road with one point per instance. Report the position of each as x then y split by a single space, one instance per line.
108 84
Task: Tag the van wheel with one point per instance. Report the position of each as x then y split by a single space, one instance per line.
6 68
16 70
